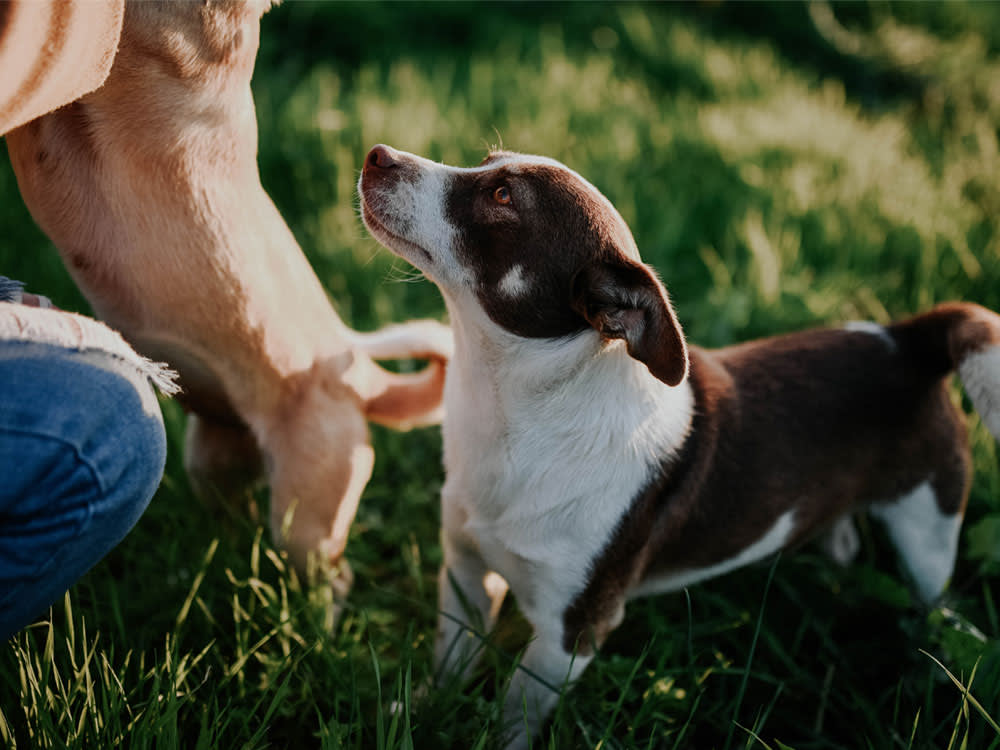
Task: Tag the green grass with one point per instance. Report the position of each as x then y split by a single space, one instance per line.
780 171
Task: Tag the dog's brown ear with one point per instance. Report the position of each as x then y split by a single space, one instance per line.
625 300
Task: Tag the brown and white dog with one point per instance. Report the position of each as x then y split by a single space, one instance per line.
149 188
592 456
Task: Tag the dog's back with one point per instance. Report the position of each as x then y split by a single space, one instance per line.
854 416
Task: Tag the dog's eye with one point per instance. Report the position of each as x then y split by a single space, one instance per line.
502 195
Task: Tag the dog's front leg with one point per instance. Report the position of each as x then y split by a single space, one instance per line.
222 459
319 460
469 599
544 670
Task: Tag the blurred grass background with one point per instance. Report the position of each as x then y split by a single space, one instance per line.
782 165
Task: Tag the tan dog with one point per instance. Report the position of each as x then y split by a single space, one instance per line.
149 188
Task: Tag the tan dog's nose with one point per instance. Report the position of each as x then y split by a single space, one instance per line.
382 157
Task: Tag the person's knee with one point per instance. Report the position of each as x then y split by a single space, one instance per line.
145 473
112 420
105 413
86 436
129 462
99 408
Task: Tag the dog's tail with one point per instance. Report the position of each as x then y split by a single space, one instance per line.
959 336
414 399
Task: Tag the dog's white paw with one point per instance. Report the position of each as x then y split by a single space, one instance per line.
841 542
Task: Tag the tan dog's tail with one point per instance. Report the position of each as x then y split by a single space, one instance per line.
408 400
959 336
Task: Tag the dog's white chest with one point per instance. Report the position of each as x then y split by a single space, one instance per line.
544 474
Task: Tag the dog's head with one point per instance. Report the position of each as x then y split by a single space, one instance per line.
537 247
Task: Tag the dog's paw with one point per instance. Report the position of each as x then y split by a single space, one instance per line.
842 542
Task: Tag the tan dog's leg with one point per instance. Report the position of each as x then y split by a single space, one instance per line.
221 459
320 461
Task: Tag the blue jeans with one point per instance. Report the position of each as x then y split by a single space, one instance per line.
82 450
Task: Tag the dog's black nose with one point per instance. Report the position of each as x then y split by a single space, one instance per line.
382 157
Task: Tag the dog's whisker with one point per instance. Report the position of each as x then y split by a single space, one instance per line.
404 275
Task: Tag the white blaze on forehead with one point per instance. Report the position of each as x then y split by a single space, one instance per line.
427 201
513 283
